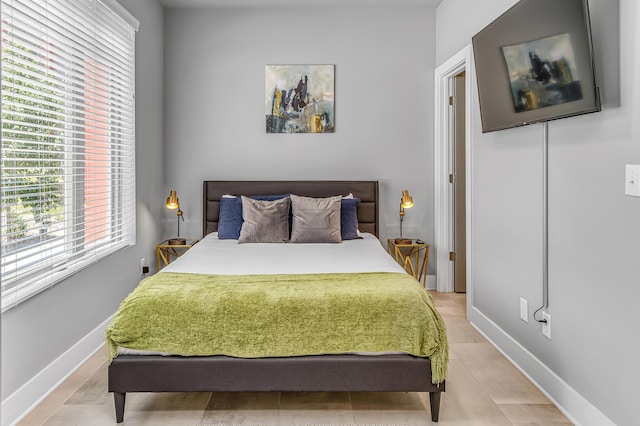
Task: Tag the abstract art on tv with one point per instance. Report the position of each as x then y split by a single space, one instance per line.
542 73
299 98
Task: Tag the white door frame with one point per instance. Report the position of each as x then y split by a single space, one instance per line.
459 62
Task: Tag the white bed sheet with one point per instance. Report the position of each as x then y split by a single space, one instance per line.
227 257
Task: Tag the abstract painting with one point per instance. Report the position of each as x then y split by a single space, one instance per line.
542 73
300 98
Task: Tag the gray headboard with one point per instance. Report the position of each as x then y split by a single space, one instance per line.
366 191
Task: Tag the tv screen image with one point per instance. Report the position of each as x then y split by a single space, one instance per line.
542 73
535 63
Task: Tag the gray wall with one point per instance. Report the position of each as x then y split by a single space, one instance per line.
594 267
215 113
38 331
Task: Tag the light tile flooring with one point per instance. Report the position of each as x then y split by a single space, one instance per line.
483 388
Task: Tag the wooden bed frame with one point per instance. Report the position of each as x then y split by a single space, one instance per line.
328 373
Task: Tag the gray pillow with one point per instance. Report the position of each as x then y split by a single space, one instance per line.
264 221
315 220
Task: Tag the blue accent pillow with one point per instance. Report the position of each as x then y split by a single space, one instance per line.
349 218
230 219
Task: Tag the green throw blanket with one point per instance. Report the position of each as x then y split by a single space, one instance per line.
253 316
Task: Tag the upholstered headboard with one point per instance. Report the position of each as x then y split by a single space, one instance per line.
366 191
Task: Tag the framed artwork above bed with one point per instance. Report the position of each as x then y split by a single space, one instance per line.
299 98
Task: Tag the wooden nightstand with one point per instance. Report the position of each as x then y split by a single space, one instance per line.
412 256
166 252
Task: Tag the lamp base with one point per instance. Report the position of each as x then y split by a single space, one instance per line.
403 240
177 241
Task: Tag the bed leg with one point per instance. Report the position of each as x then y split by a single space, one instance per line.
118 399
434 401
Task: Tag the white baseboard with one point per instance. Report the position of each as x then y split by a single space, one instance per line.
431 282
573 405
18 404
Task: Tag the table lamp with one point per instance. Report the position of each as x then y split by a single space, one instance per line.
172 204
406 202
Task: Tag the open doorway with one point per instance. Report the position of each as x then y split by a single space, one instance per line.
452 173
458 253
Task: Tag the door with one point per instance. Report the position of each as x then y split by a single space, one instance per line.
458 182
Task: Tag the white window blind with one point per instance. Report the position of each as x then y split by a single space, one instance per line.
68 139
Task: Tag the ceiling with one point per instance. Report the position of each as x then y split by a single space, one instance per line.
300 3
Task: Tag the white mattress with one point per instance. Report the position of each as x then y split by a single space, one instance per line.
227 257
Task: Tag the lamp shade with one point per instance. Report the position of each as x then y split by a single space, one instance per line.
172 201
406 201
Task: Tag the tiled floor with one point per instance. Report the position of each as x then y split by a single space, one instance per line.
483 388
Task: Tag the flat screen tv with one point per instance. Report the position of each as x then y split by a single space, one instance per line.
535 63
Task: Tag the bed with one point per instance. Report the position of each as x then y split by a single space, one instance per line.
335 372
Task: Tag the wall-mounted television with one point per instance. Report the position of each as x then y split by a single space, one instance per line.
535 63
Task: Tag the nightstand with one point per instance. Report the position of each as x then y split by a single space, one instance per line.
166 252
412 256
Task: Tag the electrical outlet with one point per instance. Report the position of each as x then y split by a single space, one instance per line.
144 266
524 310
546 327
632 180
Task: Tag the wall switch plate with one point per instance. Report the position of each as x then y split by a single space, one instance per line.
632 180
546 327
524 310
143 262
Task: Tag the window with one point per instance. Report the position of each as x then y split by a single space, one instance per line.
68 139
